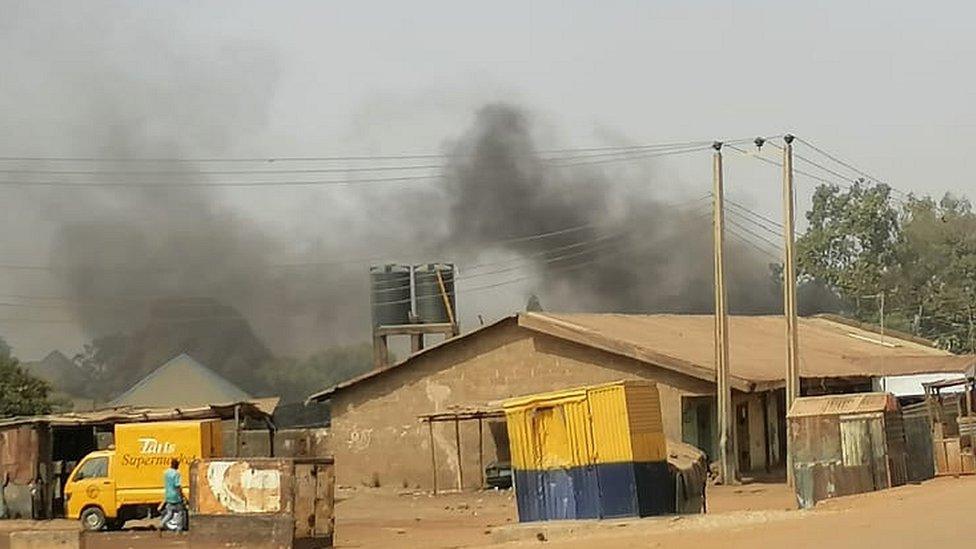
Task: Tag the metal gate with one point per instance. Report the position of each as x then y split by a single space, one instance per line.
918 441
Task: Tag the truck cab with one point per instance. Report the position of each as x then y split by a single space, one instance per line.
90 492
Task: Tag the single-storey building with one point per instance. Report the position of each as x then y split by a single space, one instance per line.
377 438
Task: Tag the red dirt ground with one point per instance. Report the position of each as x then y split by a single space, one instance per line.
936 513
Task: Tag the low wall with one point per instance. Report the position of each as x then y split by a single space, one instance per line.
40 539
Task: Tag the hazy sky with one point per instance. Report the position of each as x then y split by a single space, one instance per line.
886 84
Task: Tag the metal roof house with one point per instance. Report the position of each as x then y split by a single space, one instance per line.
373 415
846 444
180 382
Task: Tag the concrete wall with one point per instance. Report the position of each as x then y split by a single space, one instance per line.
376 436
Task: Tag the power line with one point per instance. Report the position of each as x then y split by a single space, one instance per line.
635 246
755 214
299 183
743 217
335 158
624 152
748 242
751 232
847 165
363 260
185 184
356 158
842 180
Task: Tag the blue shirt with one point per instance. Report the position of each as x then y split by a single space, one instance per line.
171 486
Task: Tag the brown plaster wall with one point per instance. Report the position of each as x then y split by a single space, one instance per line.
376 435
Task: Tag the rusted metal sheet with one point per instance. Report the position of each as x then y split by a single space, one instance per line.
920 456
19 454
304 500
25 465
325 501
259 409
838 454
843 404
241 486
302 489
311 442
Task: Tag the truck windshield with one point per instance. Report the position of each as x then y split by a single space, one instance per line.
93 468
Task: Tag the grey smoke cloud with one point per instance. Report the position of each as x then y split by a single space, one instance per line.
633 254
644 256
116 250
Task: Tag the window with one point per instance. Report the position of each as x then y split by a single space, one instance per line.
93 468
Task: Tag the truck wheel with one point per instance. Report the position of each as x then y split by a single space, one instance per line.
93 519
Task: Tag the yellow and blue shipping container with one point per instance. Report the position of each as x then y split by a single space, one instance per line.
590 452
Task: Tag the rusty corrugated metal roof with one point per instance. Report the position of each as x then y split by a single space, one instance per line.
835 405
260 409
684 343
757 344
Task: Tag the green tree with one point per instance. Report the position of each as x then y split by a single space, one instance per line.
21 394
5 350
103 367
920 254
850 244
937 277
294 379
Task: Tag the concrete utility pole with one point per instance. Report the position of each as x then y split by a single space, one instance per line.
789 299
724 392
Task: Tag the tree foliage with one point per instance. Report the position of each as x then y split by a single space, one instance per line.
920 253
21 394
5 350
294 379
102 365
851 239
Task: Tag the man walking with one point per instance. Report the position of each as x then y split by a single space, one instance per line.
173 507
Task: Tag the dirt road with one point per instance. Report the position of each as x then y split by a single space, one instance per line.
936 513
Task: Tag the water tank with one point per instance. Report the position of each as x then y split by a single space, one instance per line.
390 294
430 299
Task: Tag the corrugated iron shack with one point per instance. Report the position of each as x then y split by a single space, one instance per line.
294 496
591 452
37 453
953 422
846 444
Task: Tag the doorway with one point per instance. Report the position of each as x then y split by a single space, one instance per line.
699 424
742 436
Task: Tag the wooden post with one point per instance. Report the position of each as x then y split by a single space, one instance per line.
481 450
433 454
271 435
723 388
769 451
381 352
447 299
416 343
237 430
457 443
789 300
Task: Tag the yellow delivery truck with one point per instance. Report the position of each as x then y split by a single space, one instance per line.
109 487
